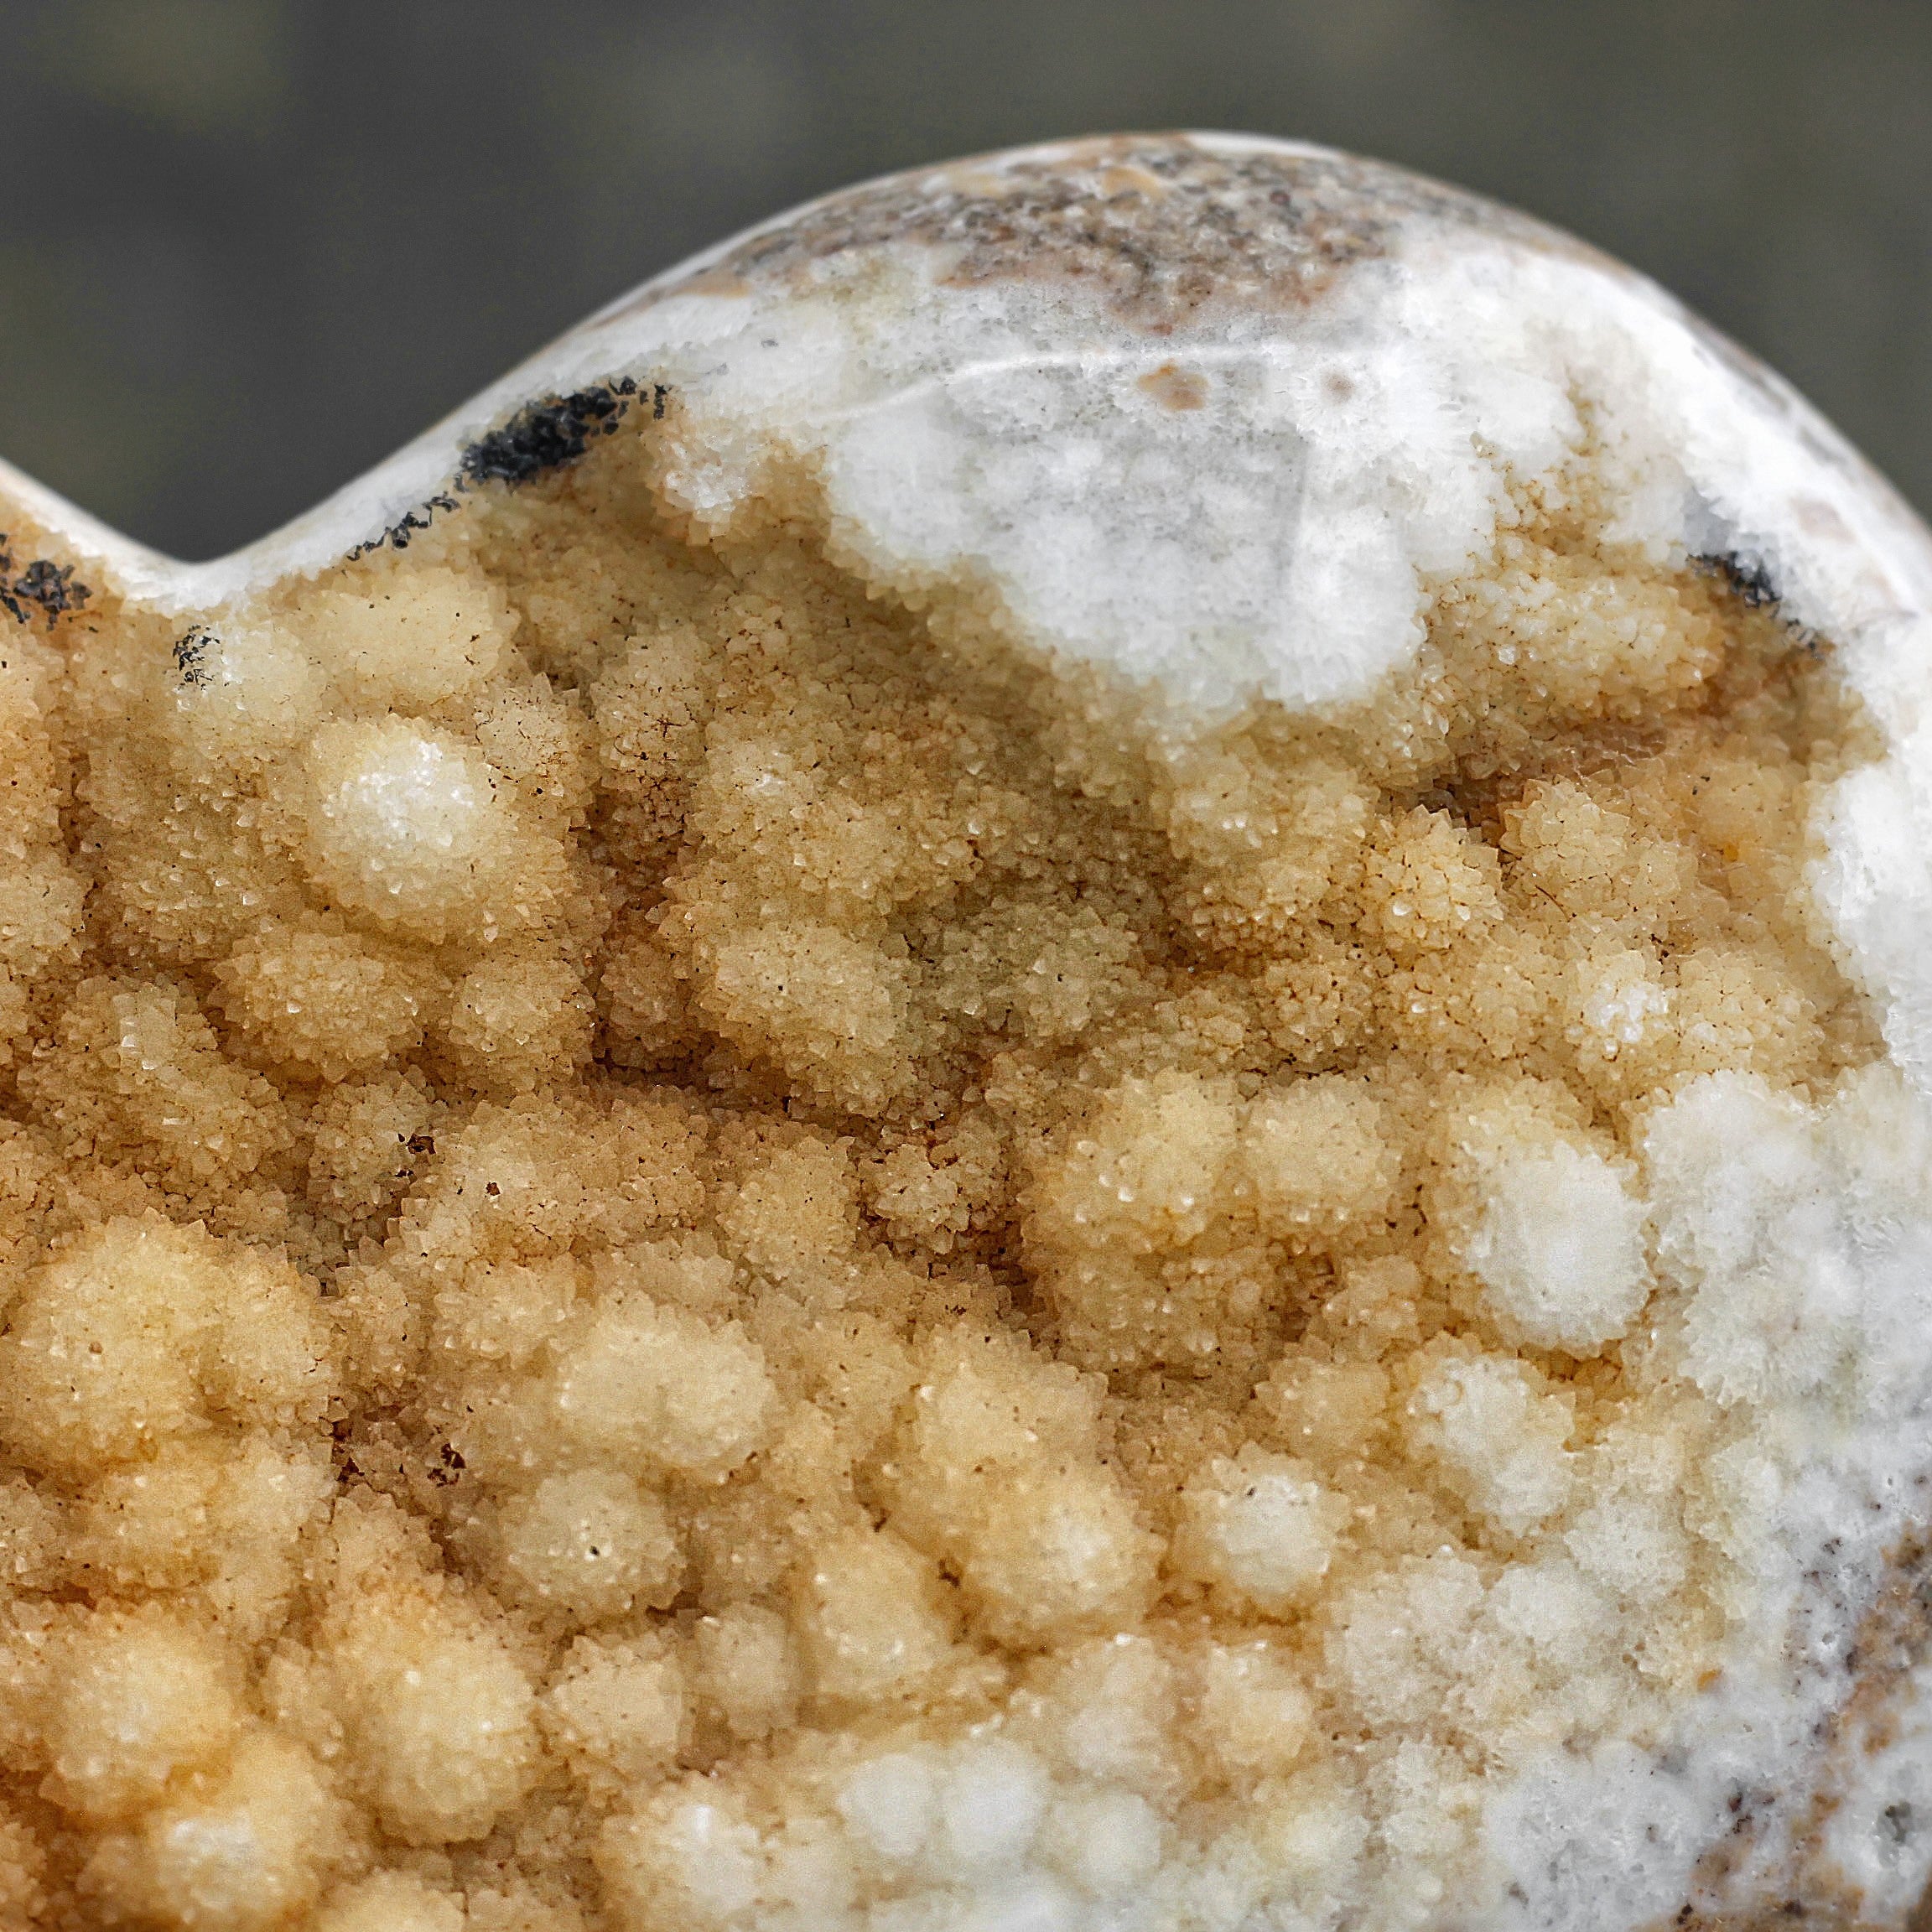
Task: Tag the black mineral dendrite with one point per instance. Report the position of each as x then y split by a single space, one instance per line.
191 657
41 585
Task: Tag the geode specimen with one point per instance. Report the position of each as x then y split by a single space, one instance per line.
1056 1058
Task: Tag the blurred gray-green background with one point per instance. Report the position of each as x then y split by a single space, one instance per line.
247 247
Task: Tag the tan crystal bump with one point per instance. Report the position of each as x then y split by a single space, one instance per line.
1057 1058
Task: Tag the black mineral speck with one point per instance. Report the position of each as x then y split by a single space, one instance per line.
546 435
1749 579
41 585
396 537
191 657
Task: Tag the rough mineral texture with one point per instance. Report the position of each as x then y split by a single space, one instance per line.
1054 1063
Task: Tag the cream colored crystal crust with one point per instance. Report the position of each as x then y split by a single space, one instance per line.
739 1196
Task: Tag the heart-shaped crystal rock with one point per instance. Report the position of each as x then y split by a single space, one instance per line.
1057 1056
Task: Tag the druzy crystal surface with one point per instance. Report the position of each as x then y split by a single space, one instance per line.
1056 1058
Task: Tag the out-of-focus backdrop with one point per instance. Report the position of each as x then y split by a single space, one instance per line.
247 247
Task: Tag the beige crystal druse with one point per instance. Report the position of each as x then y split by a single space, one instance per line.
708 1227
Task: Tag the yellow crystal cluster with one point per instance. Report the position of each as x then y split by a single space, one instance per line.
683 1250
